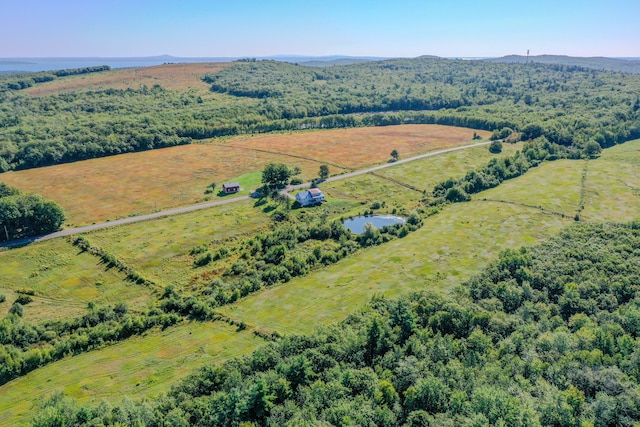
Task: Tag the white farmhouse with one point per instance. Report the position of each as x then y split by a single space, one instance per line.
312 196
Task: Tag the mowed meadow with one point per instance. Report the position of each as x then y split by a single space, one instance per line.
113 187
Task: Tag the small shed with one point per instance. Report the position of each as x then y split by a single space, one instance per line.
230 187
312 196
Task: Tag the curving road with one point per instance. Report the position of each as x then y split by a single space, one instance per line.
185 209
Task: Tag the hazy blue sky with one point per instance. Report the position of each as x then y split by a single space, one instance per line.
465 28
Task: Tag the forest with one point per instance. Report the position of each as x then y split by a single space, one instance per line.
543 336
568 105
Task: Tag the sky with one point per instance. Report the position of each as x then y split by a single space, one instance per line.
255 28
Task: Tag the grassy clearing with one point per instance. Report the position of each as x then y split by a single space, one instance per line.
140 367
555 186
449 248
159 249
64 280
366 189
118 186
426 173
360 147
612 190
400 187
169 76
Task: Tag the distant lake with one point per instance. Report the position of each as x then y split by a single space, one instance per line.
356 225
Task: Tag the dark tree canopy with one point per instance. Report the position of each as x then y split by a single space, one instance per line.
26 215
323 173
276 175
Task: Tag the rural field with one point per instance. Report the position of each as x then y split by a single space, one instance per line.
159 249
182 77
361 147
558 189
612 187
440 255
113 187
403 186
141 367
64 279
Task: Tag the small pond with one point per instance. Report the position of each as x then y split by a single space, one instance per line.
356 224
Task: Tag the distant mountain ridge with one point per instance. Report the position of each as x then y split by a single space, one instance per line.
625 65
16 65
19 65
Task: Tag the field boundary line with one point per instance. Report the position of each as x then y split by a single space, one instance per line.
398 182
583 189
525 205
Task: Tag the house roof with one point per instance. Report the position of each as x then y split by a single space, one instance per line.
230 184
315 191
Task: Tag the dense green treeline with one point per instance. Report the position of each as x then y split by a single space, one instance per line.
25 80
570 106
27 215
545 336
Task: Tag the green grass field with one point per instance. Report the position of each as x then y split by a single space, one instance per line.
611 186
612 189
141 367
426 173
64 280
449 248
401 186
554 186
159 249
366 189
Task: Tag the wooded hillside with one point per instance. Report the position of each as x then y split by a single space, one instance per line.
567 104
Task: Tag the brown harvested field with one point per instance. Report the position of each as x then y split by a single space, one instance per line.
169 76
360 147
111 187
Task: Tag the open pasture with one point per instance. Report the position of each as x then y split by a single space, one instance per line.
360 147
555 186
367 189
118 186
159 249
141 367
169 76
97 190
449 248
402 186
64 280
612 190
426 173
